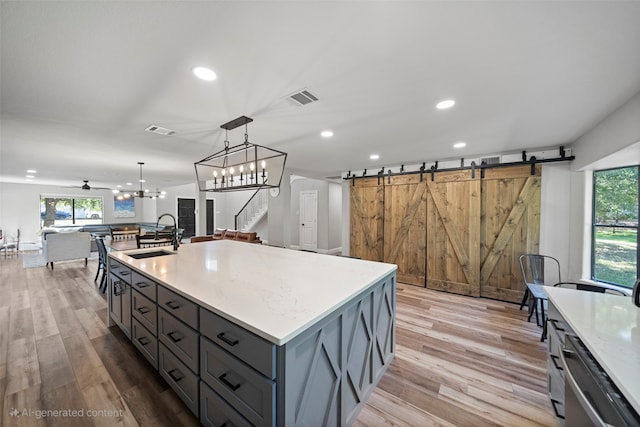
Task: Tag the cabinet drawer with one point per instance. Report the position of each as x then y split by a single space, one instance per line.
120 270
246 390
145 342
555 381
144 285
144 310
214 411
555 322
178 306
180 378
255 351
556 341
115 300
179 338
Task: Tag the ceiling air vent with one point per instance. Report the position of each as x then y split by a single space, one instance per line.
302 97
160 130
490 160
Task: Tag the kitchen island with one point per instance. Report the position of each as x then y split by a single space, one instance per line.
257 335
608 326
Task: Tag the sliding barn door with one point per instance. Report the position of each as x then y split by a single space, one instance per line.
367 219
510 227
453 232
405 232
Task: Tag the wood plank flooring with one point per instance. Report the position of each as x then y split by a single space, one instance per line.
460 361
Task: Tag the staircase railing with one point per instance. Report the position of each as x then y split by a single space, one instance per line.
254 206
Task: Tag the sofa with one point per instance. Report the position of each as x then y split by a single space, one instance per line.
66 246
226 234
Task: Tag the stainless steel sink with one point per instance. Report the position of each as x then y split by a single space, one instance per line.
150 254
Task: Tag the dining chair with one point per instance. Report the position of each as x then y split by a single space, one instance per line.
102 264
13 246
538 271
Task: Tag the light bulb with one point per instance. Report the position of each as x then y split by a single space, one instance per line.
222 172
264 164
215 173
231 171
252 166
241 168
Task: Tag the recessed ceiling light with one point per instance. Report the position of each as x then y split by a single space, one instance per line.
204 73
29 176
326 133
118 186
31 171
460 144
443 105
374 156
28 180
128 183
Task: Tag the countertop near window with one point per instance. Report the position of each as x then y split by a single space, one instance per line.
273 292
609 325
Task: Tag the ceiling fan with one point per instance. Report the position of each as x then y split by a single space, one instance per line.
86 186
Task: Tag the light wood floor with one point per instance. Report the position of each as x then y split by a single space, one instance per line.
459 361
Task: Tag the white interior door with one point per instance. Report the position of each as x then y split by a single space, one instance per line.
309 220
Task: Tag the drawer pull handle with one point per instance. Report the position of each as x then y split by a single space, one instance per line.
229 341
226 382
143 310
173 376
143 340
175 336
554 322
173 305
125 273
142 285
117 288
553 403
555 359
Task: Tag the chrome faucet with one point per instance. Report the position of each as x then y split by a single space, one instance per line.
174 237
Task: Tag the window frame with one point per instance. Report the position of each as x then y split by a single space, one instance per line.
73 199
594 226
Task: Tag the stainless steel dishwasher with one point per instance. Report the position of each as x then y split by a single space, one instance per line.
591 397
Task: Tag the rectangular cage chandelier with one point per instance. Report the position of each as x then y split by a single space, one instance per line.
246 166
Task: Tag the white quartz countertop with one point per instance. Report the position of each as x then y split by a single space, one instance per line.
609 325
273 292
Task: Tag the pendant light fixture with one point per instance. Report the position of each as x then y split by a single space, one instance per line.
142 192
246 166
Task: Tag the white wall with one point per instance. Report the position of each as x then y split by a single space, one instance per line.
335 217
616 132
555 214
329 224
599 148
20 207
280 220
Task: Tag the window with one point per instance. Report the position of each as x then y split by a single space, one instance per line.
70 210
614 252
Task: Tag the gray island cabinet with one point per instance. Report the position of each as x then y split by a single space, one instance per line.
256 335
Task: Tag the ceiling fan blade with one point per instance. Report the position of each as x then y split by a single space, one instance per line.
86 186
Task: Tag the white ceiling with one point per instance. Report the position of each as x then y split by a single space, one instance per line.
80 81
